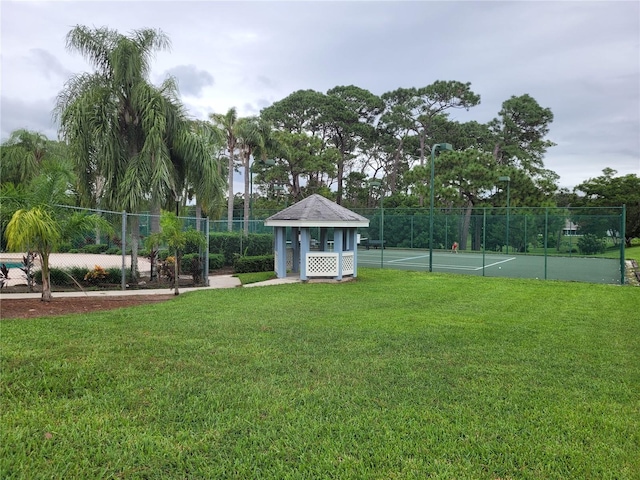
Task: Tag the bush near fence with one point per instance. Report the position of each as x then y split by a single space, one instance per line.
216 261
232 244
260 263
85 277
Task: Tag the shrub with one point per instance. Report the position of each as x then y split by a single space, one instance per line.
64 247
166 268
261 263
113 251
78 273
95 248
114 275
232 244
190 264
216 261
95 276
259 244
58 276
228 244
590 244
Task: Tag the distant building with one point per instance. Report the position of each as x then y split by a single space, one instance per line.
570 228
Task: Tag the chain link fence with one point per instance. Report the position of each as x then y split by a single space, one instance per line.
549 243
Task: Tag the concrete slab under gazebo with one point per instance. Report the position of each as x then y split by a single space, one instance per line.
329 256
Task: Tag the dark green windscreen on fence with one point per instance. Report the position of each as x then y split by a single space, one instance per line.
585 244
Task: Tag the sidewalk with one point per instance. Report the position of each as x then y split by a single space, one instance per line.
216 281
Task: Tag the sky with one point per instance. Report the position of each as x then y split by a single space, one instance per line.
579 58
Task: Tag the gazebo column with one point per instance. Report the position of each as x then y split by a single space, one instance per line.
280 250
338 244
353 243
305 241
295 244
323 240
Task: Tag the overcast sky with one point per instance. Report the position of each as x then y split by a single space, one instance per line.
581 59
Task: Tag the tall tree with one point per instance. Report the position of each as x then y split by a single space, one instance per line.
307 154
254 139
422 111
520 133
467 176
40 221
349 116
24 153
128 136
609 190
227 125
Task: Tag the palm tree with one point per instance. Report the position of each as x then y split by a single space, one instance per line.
175 237
41 222
23 154
254 140
227 126
131 140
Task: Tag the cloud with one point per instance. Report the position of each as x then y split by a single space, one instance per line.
35 116
48 64
191 80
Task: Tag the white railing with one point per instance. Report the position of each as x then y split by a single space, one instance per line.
348 263
325 264
322 264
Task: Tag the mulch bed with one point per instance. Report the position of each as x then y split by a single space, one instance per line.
34 307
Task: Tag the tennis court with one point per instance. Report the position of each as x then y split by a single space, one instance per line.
575 268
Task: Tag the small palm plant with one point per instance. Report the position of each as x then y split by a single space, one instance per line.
175 237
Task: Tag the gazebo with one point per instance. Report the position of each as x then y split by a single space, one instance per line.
334 254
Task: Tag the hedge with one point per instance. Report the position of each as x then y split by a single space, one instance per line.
232 244
260 263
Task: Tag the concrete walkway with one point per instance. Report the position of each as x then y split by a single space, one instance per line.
216 281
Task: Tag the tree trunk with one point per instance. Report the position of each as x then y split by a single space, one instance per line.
476 243
247 192
134 226
155 228
340 175
230 190
176 271
198 216
465 225
46 277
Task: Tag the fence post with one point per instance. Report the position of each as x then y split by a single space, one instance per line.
546 234
623 235
446 231
412 230
206 253
124 249
484 236
526 244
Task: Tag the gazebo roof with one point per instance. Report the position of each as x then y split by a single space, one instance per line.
316 211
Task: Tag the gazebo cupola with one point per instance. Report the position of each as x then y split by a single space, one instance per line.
330 256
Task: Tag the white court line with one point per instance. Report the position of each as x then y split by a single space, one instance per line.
402 261
423 266
498 263
407 258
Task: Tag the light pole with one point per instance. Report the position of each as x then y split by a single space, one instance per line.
508 180
178 199
378 183
280 191
266 163
438 147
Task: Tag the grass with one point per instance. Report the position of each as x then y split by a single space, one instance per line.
255 277
399 375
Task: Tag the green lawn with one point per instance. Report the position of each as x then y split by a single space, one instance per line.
397 375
